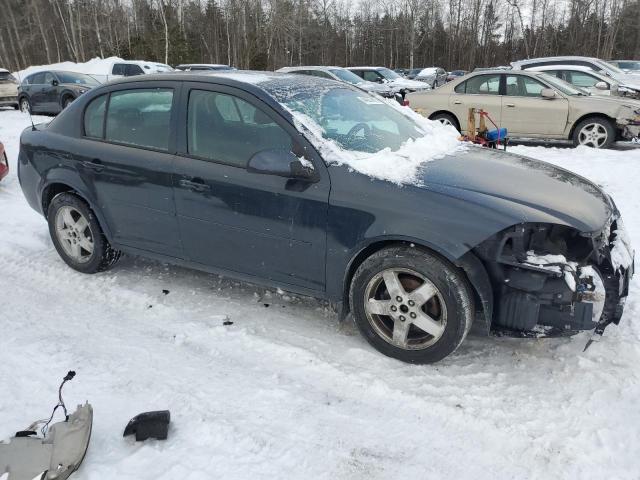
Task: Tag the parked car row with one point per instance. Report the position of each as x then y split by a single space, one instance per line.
533 105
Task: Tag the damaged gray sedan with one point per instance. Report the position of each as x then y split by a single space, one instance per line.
512 245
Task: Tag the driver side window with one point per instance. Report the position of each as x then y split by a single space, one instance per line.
370 76
227 129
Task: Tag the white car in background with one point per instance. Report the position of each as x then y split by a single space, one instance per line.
589 80
390 78
342 75
8 89
629 66
595 64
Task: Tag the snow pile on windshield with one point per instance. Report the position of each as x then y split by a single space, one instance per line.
402 166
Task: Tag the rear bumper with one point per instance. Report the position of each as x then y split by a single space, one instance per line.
8 101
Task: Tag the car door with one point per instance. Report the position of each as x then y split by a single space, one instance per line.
36 91
127 160
51 93
526 112
254 224
480 91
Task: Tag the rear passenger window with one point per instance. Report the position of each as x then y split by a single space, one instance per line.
140 117
94 117
227 129
480 85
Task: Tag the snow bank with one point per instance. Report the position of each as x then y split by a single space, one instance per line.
96 66
402 166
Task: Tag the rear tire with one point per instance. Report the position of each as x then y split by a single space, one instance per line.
77 235
411 305
446 119
596 132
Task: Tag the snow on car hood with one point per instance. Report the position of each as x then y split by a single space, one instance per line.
406 83
530 185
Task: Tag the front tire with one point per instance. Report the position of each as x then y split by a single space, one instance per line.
66 101
596 132
77 236
411 305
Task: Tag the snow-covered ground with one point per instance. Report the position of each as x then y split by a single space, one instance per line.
287 391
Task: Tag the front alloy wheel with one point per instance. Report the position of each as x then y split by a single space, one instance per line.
411 304
594 132
405 308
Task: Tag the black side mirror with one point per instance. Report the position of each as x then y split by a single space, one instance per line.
282 163
54 82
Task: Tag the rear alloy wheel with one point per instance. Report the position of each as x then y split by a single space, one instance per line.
594 132
446 119
25 105
77 235
411 305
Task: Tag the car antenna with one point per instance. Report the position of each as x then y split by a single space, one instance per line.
33 127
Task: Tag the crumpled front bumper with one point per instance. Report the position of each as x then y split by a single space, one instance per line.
54 457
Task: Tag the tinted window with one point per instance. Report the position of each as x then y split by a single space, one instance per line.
481 85
37 79
94 117
229 130
321 74
523 86
371 76
77 78
132 69
118 69
140 117
581 79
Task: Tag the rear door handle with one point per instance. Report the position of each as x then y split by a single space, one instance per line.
95 164
457 102
510 105
195 184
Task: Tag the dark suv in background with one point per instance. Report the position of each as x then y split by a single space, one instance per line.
52 91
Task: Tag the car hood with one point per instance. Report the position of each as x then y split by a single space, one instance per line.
374 87
405 83
629 80
527 189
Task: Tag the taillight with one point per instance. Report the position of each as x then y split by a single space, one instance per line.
405 103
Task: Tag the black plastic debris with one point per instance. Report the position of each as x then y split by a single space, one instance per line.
165 291
227 322
149 425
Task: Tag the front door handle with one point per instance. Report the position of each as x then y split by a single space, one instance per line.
195 184
457 102
95 164
512 105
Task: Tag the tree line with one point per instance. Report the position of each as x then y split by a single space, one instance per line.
269 34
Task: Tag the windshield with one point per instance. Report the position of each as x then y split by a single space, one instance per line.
427 71
388 74
606 66
355 120
628 65
346 76
563 86
77 78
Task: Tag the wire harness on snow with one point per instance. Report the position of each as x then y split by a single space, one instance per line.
69 376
